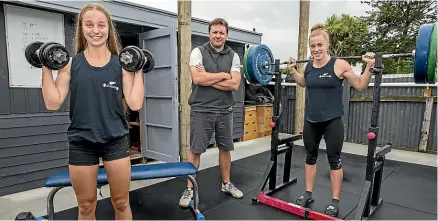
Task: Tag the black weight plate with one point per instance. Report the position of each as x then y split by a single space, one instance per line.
43 54
31 54
150 61
131 58
140 57
54 56
59 56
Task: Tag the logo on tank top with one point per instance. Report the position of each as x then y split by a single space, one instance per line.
111 85
325 75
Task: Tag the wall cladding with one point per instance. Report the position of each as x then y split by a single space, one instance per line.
400 122
33 141
32 146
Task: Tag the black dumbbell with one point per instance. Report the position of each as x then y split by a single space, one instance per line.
50 54
132 59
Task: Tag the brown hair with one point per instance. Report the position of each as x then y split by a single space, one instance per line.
318 29
218 21
113 42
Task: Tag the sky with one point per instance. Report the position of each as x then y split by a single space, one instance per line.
278 21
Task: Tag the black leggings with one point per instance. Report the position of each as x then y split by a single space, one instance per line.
333 131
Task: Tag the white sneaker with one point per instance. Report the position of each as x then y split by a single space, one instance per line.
186 198
231 189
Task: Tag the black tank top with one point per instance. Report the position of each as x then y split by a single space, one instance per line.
96 105
323 92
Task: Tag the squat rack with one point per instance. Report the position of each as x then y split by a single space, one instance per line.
369 201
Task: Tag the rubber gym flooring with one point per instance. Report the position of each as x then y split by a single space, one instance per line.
409 192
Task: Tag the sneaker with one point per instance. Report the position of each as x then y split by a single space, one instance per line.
231 189
186 198
303 201
332 210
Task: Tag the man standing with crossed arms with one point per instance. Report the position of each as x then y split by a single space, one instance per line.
215 71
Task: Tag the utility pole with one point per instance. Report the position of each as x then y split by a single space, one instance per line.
302 55
184 50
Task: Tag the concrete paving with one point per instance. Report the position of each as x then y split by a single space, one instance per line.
35 200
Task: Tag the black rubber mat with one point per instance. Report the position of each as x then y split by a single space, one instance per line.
354 172
160 201
409 192
390 211
412 186
261 160
236 210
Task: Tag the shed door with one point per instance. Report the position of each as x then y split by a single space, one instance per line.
159 125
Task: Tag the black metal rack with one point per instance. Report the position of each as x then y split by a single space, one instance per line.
370 199
278 139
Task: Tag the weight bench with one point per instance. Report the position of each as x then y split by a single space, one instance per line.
60 180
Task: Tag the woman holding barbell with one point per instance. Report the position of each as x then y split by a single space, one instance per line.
97 84
323 79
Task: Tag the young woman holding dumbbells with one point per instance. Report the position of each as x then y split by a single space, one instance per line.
97 84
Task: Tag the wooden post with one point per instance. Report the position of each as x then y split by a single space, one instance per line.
184 50
425 128
302 55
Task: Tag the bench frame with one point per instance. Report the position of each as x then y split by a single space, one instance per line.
194 206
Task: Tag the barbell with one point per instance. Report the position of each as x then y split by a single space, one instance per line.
258 60
55 57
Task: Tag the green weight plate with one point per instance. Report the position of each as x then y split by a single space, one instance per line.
431 63
421 53
245 63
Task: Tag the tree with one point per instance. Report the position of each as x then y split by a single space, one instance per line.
394 26
348 36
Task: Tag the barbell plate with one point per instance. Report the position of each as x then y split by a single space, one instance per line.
245 75
131 58
245 64
431 63
51 52
31 55
422 53
150 61
257 68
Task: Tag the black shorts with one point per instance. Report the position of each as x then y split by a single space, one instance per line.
83 153
204 125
